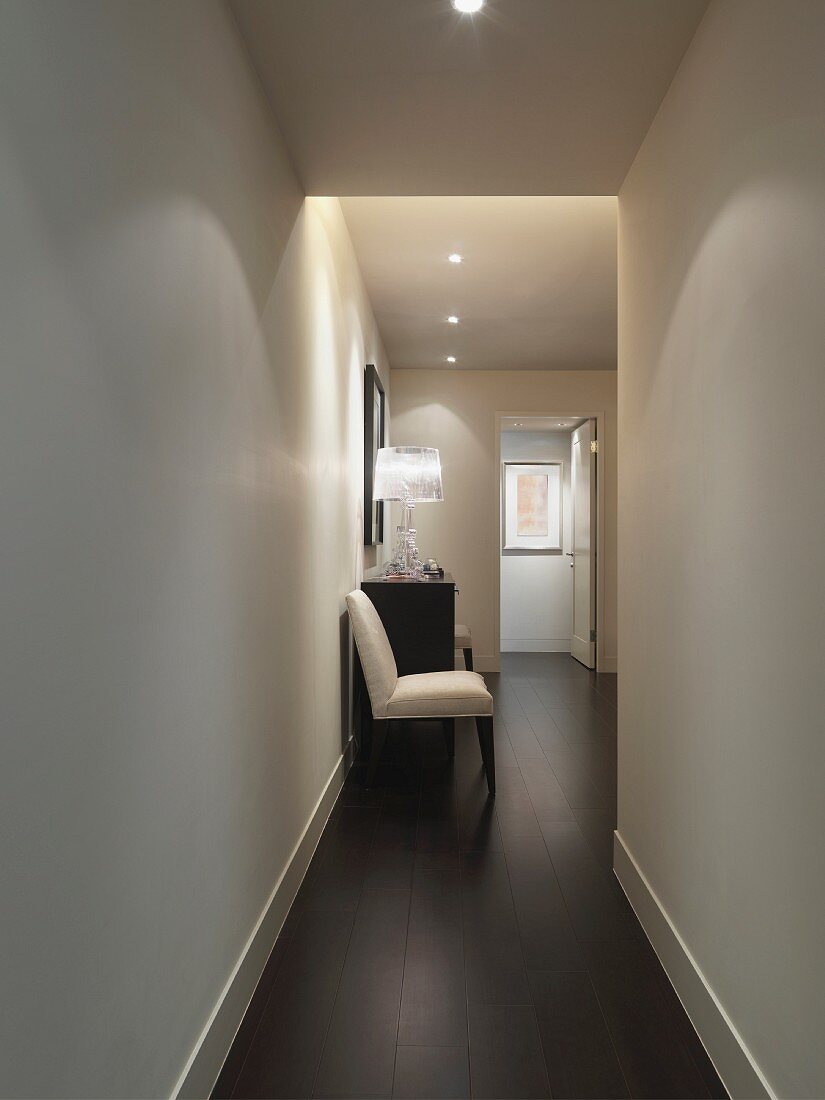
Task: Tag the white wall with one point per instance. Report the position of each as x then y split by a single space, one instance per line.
721 530
537 588
183 344
456 412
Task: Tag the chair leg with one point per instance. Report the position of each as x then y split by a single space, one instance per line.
468 659
379 737
448 725
484 726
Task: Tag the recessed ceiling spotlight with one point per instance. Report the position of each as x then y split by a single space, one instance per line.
450 358
467 7
453 320
455 258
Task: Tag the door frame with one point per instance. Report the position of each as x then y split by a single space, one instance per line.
498 419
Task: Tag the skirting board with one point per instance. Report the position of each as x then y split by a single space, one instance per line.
733 1061
609 664
535 645
482 663
201 1071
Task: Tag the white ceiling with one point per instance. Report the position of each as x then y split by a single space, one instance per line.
407 97
536 290
541 424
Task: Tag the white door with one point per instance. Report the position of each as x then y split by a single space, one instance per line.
583 485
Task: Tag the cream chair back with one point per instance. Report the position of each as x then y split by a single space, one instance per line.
377 660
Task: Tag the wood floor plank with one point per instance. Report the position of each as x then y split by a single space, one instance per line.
578 1051
436 841
547 938
575 692
511 792
433 999
546 690
477 826
392 853
548 734
242 1043
432 1073
606 710
494 963
506 1059
359 1052
505 757
531 703
545 792
608 680
685 1028
522 738
591 723
570 729
516 822
654 1059
576 783
596 911
597 827
356 793
338 882
286 1050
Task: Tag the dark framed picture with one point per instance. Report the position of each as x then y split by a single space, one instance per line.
373 440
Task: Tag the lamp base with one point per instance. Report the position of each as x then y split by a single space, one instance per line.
405 560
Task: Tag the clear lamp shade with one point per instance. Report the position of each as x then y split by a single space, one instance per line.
408 473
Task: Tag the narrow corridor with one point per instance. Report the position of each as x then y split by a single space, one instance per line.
445 945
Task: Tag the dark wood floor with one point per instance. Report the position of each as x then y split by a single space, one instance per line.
447 945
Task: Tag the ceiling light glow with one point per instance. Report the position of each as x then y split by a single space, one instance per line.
455 258
453 319
467 7
450 358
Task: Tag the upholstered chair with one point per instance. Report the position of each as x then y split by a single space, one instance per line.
464 642
442 695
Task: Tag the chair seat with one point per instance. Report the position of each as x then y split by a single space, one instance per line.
463 637
440 695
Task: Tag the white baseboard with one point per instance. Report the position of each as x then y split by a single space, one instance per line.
482 663
609 664
201 1071
535 645
734 1063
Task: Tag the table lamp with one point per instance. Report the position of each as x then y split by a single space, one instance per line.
411 475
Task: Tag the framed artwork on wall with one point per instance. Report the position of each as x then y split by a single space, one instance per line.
373 440
532 506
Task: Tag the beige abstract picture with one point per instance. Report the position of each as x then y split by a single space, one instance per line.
531 505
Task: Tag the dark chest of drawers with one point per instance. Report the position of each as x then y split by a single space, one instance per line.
419 618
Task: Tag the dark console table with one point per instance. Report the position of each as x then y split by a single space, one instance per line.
419 618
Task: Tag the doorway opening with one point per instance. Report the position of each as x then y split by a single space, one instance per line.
548 540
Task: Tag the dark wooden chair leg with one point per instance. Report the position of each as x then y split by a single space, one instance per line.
379 737
484 726
468 659
448 725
